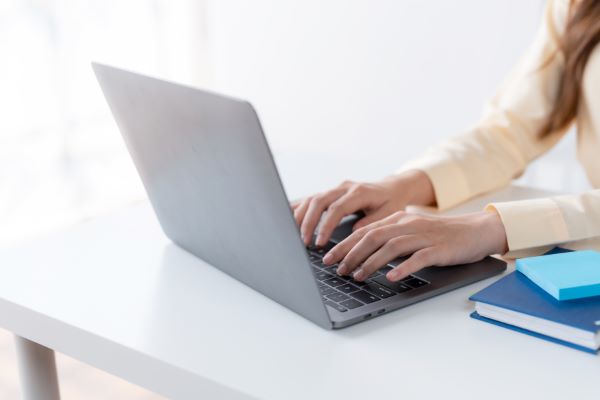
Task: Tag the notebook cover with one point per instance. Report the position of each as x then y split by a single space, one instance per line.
565 276
476 315
516 292
557 250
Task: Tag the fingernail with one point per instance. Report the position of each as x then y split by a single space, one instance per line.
341 270
319 241
327 259
358 274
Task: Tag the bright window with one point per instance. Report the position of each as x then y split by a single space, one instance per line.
61 157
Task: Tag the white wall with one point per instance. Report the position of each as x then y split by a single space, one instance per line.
61 155
353 88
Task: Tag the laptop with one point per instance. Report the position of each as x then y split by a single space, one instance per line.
212 182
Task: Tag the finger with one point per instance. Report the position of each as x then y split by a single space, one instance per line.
370 242
395 247
300 211
370 218
339 251
420 259
345 205
316 206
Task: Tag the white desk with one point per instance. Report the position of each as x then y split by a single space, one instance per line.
114 293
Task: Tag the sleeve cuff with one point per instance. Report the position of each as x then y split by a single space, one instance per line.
531 225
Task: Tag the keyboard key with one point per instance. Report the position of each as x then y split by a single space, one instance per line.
326 290
386 269
402 288
322 275
336 306
320 251
365 297
329 267
379 290
333 282
347 288
416 282
398 287
319 264
351 303
337 297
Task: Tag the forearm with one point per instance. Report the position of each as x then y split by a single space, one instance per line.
506 139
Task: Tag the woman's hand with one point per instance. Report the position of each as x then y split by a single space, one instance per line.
432 241
376 200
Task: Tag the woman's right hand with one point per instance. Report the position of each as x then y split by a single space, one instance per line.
376 200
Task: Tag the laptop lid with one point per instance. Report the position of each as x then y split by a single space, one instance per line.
213 184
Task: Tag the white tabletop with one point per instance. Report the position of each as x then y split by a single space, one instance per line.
115 293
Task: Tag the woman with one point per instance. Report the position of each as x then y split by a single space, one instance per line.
555 86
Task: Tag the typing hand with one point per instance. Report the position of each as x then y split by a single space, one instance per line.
376 200
432 241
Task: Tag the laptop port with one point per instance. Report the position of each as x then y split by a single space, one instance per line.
381 311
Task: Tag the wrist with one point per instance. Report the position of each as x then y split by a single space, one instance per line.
414 187
493 228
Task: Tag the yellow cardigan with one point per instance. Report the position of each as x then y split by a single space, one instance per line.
499 147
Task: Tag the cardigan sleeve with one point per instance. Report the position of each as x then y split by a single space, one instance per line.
534 224
500 146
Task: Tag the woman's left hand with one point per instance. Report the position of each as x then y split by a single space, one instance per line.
432 241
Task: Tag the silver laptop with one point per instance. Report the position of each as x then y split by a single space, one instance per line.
214 187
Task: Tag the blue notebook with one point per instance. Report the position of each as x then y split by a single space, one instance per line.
565 276
475 315
515 293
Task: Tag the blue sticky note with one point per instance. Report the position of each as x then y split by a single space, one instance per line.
565 276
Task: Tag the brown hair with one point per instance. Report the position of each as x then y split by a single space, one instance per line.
582 33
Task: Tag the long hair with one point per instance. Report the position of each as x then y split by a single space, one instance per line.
581 36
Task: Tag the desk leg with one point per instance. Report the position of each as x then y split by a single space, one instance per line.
37 370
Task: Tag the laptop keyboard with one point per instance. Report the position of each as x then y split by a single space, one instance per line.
343 293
